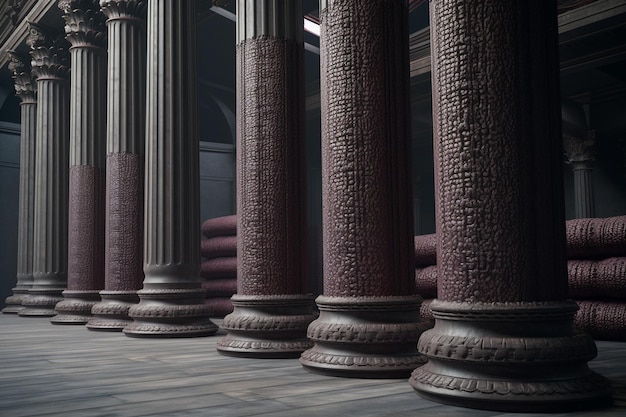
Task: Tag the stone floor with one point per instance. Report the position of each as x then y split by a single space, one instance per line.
51 370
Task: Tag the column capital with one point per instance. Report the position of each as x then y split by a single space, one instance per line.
84 22
49 53
124 9
25 88
580 150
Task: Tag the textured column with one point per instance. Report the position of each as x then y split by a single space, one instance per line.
580 155
123 273
368 324
503 337
25 89
171 301
84 27
271 312
50 68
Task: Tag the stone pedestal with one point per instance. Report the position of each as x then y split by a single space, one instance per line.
503 336
171 301
123 260
369 319
50 68
25 89
271 312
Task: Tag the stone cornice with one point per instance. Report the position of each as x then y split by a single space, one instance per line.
49 54
25 88
84 22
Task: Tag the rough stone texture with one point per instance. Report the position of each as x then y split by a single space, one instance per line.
220 226
220 306
596 238
597 279
425 250
224 287
603 320
219 246
219 268
426 281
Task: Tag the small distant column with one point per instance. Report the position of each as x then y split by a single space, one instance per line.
172 300
126 110
271 308
369 318
50 67
25 88
84 26
580 156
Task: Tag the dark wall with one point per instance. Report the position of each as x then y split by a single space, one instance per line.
217 180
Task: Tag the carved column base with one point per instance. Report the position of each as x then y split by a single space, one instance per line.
111 314
365 337
75 307
170 313
41 302
14 302
271 326
522 357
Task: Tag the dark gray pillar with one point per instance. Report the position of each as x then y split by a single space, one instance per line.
580 156
503 337
126 104
50 67
271 307
368 324
84 27
171 301
25 89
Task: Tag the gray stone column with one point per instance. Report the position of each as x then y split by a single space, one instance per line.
50 67
171 301
580 156
271 310
84 26
503 336
126 104
25 89
368 324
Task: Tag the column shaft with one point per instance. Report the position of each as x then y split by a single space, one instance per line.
583 193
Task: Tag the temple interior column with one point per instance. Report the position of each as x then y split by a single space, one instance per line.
50 67
25 88
271 307
580 156
369 318
84 27
126 103
503 336
171 300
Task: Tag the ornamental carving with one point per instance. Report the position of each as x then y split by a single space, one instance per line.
84 22
49 53
25 88
120 9
580 149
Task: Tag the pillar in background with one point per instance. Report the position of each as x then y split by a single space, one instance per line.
171 301
25 89
50 67
126 98
368 324
84 28
580 156
503 337
271 310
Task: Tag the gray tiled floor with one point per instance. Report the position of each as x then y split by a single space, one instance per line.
48 370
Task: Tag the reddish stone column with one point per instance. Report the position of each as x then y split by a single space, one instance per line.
271 310
50 68
368 324
84 27
171 301
126 104
503 337
25 89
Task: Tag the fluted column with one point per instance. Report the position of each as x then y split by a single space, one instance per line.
580 156
84 28
50 68
25 88
271 310
126 104
368 324
171 301
503 336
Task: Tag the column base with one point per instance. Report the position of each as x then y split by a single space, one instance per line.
517 357
75 307
365 337
170 313
268 326
14 302
111 314
41 302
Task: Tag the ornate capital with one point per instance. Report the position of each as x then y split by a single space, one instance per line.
579 150
124 9
50 58
24 86
84 22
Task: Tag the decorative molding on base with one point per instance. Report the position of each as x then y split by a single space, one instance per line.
75 307
111 314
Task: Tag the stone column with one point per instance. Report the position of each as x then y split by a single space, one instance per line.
271 310
171 301
503 337
84 27
580 155
50 68
368 324
25 89
126 104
